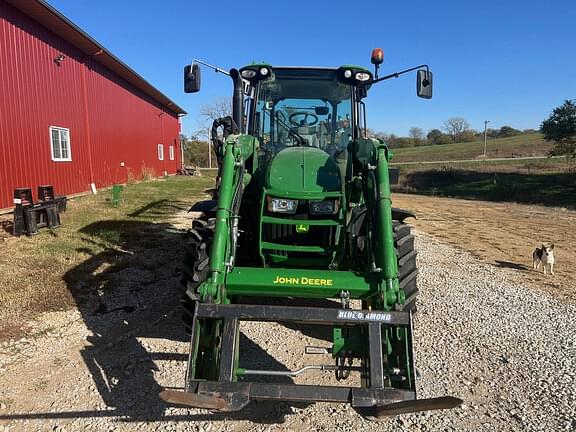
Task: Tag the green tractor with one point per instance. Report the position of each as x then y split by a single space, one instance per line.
303 212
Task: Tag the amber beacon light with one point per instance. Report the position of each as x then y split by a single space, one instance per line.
377 56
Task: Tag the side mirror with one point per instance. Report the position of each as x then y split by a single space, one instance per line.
192 78
424 84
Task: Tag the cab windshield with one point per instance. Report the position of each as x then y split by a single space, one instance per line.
303 107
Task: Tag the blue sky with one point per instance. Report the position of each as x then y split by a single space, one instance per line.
510 62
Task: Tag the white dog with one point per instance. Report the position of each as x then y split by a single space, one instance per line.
544 255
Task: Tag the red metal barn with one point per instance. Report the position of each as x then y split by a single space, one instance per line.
72 114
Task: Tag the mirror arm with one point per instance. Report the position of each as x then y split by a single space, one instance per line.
216 69
397 74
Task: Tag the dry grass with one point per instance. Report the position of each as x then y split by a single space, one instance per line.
504 235
46 272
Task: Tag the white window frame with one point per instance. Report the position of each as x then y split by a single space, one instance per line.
68 146
161 152
171 152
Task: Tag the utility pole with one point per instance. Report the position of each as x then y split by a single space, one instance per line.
485 126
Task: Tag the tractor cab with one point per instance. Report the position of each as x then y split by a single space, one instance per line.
306 107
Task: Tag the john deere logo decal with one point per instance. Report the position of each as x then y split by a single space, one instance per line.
285 280
302 229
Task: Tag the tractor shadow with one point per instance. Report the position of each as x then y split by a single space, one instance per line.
129 298
127 291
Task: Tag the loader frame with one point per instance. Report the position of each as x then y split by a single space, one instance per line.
229 370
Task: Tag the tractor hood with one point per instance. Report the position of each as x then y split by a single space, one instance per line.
303 169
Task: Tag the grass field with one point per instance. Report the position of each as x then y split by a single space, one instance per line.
516 146
545 182
556 164
550 182
39 273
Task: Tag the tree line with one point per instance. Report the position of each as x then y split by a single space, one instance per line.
559 128
453 130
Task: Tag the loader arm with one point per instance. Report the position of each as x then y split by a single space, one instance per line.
234 177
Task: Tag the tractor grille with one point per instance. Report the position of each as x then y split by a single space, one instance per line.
286 234
324 236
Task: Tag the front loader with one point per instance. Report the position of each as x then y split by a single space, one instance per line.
303 213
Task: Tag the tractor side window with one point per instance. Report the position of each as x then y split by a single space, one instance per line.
263 122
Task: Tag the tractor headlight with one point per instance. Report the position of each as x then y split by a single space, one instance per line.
282 205
323 207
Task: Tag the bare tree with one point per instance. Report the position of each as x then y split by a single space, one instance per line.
417 134
218 108
455 127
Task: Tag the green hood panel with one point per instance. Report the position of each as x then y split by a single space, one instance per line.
303 169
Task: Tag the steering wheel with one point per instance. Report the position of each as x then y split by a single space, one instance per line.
304 116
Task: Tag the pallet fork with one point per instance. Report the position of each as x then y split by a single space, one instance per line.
231 392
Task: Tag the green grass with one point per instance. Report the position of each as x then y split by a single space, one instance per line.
32 268
536 165
516 146
551 188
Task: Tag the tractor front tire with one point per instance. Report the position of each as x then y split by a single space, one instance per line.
407 270
195 266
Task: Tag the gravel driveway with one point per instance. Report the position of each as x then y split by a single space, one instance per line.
509 352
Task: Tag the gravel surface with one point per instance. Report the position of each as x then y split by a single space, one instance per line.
509 352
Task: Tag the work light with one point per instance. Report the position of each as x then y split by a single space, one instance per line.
323 207
248 73
362 76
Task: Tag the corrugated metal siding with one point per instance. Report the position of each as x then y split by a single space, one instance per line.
134 142
122 124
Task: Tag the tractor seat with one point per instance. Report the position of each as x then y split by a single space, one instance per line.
309 135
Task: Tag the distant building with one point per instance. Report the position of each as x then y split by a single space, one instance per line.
71 114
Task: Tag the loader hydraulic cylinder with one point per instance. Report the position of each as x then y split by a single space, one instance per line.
386 256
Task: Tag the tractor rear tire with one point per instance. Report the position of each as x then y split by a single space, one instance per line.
407 270
195 266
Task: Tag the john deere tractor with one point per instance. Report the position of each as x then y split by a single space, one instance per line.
303 217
